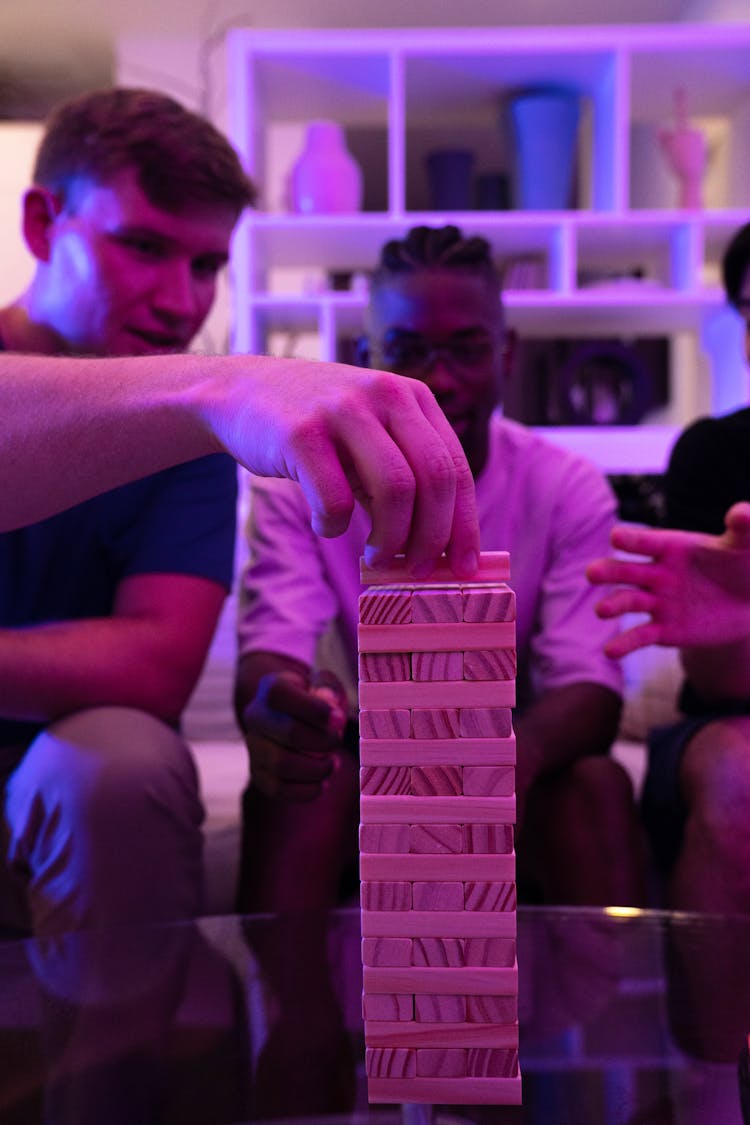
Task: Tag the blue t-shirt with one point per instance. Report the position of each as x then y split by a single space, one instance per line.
68 567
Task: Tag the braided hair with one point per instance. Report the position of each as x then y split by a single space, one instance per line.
426 248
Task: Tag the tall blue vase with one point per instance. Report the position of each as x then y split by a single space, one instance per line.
544 126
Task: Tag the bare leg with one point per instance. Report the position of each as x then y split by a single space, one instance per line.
293 852
713 870
582 843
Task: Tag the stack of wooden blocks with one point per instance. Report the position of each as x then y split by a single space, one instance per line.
437 666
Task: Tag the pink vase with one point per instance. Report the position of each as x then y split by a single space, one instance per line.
325 178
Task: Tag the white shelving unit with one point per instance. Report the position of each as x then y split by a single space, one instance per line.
399 93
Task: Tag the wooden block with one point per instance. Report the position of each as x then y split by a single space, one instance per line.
494 566
377 1006
387 951
435 722
385 607
438 1009
446 637
388 723
435 951
420 979
390 1062
445 1091
383 667
493 602
438 839
436 896
392 838
437 923
485 722
436 666
498 951
447 1034
375 866
487 664
488 896
436 781
439 693
481 1008
436 604
487 839
438 751
488 781
388 780
391 895
441 1062
492 1062
437 810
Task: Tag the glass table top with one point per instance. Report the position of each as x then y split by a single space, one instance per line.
626 1018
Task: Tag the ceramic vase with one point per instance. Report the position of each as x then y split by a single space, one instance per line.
325 178
449 177
544 123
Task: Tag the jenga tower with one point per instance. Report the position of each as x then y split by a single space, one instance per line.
437 666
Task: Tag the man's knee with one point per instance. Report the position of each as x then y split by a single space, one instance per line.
109 756
715 777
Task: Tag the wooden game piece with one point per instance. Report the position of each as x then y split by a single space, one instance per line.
437 604
387 951
377 1006
493 602
458 637
432 867
433 1008
435 722
437 923
438 693
441 1062
440 980
493 566
437 951
485 722
437 810
383 667
413 1033
488 664
389 780
488 781
438 751
446 1091
392 838
389 723
499 951
391 1062
436 781
390 895
437 895
487 838
436 666
489 896
439 839
385 607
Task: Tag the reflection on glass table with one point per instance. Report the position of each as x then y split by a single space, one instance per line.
625 1019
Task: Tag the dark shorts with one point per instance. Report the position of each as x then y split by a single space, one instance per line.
662 807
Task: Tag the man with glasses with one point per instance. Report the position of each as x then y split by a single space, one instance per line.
435 314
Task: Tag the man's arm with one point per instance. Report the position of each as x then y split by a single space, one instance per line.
290 725
75 427
695 591
147 655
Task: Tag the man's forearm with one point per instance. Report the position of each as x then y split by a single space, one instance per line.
72 428
48 671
